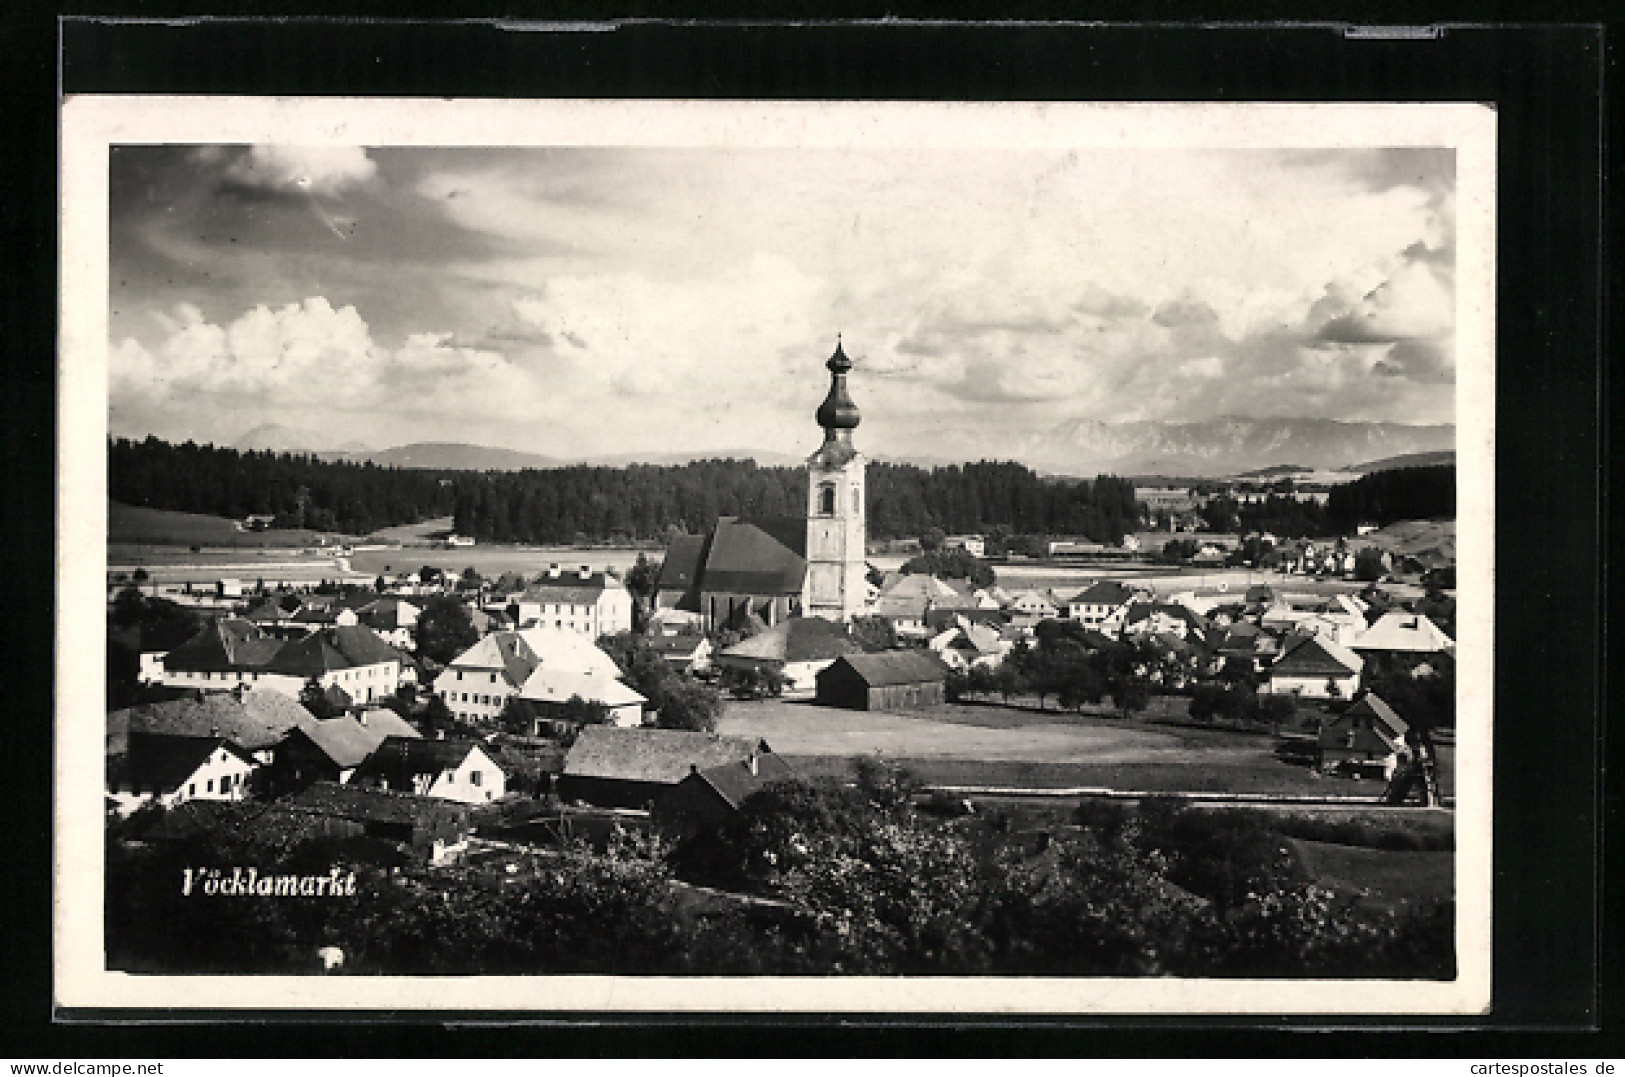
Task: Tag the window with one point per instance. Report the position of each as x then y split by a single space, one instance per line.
459 674
208 786
493 678
826 499
191 789
857 506
474 778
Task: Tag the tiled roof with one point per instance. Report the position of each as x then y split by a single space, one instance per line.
680 571
164 760
1397 630
651 755
797 639
1103 593
1375 706
1315 656
253 720
505 652
399 759
548 685
679 646
562 648
387 723
328 649
893 667
387 613
343 740
918 585
744 559
734 782
570 587
368 805
224 644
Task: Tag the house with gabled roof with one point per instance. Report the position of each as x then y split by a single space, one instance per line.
1315 667
170 769
450 768
796 649
1402 632
226 652
479 682
428 826
550 689
351 657
394 619
968 645
1367 734
254 720
333 749
634 768
591 603
711 795
1102 604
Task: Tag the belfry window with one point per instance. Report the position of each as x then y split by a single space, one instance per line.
826 499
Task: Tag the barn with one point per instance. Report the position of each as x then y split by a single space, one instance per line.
634 768
893 680
1368 734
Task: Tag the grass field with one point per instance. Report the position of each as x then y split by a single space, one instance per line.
1381 877
987 744
137 525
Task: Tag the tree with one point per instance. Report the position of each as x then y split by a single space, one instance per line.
874 633
428 575
1368 565
932 539
445 629
685 703
313 697
643 578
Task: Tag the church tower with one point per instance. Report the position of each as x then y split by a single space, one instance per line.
836 532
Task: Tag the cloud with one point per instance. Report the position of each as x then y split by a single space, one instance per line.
1186 312
1097 302
1414 303
322 171
1209 367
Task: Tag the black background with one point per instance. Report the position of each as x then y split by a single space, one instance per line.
1552 957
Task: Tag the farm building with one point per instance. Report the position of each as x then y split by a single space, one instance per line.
890 681
1367 734
634 768
711 795
332 749
797 648
448 769
172 769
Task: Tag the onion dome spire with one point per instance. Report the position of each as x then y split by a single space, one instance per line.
838 415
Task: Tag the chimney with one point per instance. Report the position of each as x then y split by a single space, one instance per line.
553 571
752 764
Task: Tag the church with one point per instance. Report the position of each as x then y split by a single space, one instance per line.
757 573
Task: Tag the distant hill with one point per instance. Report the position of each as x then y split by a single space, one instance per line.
1274 472
1414 459
137 524
447 456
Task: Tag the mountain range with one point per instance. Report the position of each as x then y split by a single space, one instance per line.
1079 447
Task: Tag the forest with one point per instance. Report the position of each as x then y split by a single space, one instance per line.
300 491
583 503
1384 497
648 501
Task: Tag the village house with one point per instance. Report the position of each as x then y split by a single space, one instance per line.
1102 604
254 720
1402 632
333 749
975 545
1316 668
393 619
350 657
170 769
450 769
478 683
1040 604
685 653
1367 735
710 796
226 652
1163 618
796 649
591 603
636 768
550 689
968 645
895 680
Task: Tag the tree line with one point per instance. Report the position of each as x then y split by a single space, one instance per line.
300 491
647 501
1384 497
588 503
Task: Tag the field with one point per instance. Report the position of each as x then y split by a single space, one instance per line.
132 525
1382 877
492 561
990 745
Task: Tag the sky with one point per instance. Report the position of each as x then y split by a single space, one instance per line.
589 301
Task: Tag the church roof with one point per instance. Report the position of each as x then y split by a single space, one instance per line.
744 559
